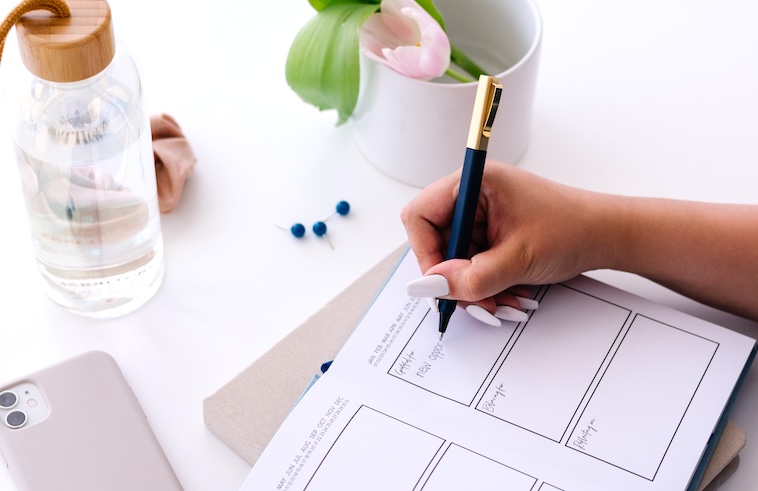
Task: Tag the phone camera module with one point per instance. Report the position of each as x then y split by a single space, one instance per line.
15 419
8 399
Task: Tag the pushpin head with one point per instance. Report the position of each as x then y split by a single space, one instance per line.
343 208
298 230
319 228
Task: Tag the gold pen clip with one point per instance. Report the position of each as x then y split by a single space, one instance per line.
485 108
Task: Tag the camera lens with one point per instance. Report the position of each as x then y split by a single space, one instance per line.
15 419
8 399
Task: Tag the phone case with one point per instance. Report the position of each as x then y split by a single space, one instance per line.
85 431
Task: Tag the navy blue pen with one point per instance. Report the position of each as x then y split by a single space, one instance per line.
485 107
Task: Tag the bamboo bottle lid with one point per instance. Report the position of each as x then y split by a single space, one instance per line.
67 49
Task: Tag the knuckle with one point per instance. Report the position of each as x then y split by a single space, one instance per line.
406 213
404 216
474 288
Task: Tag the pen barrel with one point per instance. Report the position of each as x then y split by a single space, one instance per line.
466 204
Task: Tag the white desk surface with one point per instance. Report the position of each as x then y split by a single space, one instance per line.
642 97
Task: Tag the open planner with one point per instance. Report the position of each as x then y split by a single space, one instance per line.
599 389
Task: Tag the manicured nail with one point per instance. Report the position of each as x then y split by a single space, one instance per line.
527 303
434 285
481 314
433 304
508 313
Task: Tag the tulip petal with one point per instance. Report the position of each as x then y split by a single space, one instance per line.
406 38
429 6
381 31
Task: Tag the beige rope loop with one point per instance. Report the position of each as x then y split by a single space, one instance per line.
57 7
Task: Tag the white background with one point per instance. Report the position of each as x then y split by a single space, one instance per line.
643 97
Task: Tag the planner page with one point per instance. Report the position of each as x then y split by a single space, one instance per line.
599 389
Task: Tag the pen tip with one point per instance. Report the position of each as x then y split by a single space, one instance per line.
441 335
444 321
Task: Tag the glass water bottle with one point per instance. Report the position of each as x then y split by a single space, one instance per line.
84 154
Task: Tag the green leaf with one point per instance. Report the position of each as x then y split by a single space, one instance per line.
429 6
320 5
323 65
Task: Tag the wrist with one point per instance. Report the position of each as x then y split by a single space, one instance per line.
611 232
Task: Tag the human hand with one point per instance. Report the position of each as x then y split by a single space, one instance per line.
528 231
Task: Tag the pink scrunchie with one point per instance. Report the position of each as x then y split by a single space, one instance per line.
174 160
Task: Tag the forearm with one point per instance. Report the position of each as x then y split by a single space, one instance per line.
706 251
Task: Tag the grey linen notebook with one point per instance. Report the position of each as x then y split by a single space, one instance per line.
234 413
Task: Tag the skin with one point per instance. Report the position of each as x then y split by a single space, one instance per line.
531 231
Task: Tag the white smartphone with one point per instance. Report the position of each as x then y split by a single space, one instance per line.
77 426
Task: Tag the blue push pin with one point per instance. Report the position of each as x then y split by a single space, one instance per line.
319 228
297 230
343 208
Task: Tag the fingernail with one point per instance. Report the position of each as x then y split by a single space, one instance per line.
434 285
433 304
481 314
527 303
508 313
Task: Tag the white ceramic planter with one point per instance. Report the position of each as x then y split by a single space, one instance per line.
415 131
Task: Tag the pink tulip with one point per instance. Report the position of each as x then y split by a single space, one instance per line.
407 39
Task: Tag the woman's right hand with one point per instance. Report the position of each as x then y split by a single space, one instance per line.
528 231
